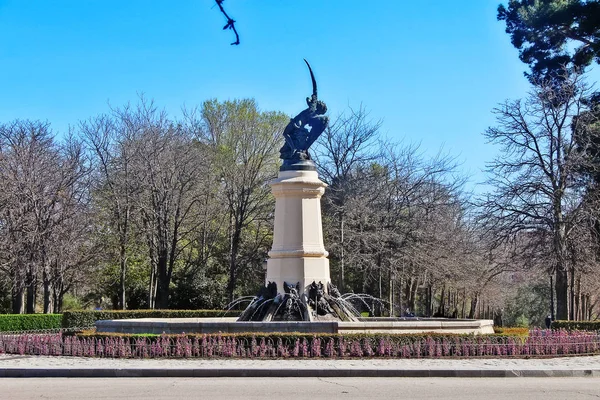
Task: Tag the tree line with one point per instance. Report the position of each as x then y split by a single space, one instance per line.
134 209
145 211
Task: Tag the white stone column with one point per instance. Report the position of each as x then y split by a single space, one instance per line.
298 253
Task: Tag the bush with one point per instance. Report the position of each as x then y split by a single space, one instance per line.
511 331
576 325
71 302
528 308
521 322
84 319
29 322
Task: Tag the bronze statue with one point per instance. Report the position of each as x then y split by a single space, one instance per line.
303 130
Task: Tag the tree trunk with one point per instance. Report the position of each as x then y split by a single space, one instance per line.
48 308
59 302
380 285
406 290
342 272
581 307
561 287
231 284
123 265
162 289
400 296
429 300
410 293
412 299
562 281
391 295
440 310
572 307
31 295
233 253
55 309
58 298
552 314
577 300
18 301
152 286
474 304
58 291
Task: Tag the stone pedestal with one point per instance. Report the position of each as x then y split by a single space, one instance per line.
298 254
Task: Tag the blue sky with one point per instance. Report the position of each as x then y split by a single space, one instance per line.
432 70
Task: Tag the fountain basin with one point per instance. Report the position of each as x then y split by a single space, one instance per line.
231 325
418 325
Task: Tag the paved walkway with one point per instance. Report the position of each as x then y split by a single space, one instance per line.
43 366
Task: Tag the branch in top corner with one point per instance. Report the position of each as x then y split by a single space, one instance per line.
230 22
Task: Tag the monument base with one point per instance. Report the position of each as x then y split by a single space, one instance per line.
298 284
299 272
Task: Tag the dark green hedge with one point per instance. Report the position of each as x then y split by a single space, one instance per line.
29 322
576 325
82 319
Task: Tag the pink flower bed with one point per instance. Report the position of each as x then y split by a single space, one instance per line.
539 343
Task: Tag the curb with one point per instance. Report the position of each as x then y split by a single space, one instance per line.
291 373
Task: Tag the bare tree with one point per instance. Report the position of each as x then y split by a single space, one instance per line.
43 191
533 177
349 143
72 251
169 168
27 165
108 139
384 211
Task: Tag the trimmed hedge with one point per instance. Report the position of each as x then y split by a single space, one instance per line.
29 322
84 319
576 325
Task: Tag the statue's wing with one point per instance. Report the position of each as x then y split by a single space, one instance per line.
312 77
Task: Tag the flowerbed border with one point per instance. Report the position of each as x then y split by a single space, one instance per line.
539 343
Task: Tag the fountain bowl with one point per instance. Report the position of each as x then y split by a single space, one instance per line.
232 325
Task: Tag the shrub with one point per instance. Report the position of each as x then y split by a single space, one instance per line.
71 302
576 325
84 319
29 322
511 331
522 322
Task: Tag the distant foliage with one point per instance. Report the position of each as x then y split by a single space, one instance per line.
529 307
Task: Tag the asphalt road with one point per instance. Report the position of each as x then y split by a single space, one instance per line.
299 388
